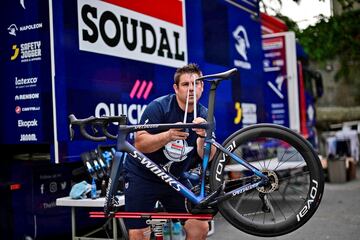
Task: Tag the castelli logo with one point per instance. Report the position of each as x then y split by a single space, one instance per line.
18 109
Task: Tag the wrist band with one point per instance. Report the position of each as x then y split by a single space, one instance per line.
201 136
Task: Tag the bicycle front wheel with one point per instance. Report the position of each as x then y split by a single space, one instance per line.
295 187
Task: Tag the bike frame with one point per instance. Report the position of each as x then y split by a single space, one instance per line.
123 146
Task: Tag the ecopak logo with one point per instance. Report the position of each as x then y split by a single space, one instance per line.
153 31
28 124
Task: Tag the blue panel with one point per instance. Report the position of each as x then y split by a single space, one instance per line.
89 83
25 86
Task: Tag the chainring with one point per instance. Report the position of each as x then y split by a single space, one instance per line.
191 208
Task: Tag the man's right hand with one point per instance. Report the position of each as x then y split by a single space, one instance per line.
148 143
177 134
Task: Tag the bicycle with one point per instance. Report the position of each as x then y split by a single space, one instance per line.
265 179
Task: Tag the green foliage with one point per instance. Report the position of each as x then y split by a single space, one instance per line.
335 38
347 4
291 24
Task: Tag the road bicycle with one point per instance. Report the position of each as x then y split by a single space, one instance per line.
265 179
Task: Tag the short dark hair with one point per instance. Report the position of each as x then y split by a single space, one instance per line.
190 68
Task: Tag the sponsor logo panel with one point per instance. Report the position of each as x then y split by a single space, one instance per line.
27 96
116 31
21 82
242 46
30 51
29 137
13 29
19 109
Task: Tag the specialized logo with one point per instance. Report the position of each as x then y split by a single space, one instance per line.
141 89
242 45
153 31
147 126
177 150
156 170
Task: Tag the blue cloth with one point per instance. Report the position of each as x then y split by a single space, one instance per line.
79 190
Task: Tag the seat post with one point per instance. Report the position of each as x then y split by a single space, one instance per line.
211 105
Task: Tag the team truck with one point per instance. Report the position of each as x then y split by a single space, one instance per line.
112 57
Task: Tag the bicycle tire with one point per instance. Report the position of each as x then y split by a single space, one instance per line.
289 160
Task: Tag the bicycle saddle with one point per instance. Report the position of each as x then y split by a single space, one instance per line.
219 76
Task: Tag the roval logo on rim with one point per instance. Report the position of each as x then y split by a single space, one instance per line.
127 29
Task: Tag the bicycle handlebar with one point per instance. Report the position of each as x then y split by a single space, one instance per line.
95 121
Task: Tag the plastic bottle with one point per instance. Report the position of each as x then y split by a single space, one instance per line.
93 189
178 232
167 231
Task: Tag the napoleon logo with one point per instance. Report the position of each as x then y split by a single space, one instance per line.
12 29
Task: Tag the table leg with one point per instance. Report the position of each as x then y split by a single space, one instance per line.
114 229
73 223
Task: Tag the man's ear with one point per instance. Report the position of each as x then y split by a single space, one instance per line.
175 88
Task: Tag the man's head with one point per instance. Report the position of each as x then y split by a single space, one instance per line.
184 81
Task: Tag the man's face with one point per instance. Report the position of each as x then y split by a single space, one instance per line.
186 83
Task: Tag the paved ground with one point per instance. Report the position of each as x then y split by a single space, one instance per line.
338 217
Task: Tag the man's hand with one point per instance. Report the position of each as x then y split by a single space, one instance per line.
199 131
177 134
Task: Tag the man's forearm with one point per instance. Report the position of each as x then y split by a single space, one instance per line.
147 143
200 149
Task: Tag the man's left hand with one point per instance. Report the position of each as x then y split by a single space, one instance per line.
199 131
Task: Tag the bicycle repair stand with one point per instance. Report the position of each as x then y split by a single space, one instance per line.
155 220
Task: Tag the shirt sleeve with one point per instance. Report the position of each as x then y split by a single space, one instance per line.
153 114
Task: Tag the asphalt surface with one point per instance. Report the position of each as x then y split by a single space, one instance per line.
338 217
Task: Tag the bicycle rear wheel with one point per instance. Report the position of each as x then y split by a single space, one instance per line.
296 180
